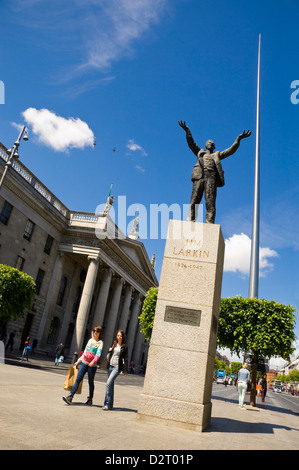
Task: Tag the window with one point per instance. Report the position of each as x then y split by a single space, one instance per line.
77 300
5 213
20 263
39 280
61 291
53 331
28 230
48 244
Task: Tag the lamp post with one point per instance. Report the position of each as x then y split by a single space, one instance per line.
13 153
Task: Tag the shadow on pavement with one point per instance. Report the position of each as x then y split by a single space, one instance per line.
262 406
229 425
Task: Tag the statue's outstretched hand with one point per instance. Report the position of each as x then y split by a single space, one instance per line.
244 135
183 125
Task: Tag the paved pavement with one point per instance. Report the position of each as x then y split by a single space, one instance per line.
33 416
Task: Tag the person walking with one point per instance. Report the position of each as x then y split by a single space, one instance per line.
27 347
117 363
243 379
88 363
264 387
59 352
11 340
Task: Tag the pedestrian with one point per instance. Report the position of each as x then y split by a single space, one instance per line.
11 340
243 379
88 363
26 349
264 387
117 363
58 352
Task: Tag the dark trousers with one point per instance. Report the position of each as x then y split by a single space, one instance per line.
82 371
207 185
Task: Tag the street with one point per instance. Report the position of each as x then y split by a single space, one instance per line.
280 402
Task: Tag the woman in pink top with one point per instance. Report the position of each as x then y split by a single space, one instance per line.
88 363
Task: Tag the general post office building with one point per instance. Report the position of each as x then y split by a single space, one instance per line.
82 280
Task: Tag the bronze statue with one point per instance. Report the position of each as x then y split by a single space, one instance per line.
207 173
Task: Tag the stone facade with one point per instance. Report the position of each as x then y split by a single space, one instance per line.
83 279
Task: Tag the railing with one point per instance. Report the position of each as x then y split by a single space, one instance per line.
85 217
36 184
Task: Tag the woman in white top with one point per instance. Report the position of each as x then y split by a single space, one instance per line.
117 363
243 379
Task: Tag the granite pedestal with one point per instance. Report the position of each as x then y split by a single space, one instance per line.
180 366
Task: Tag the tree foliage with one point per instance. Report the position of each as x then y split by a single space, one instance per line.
17 290
262 326
265 328
146 318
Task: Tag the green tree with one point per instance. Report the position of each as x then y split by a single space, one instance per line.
146 318
293 376
266 328
17 290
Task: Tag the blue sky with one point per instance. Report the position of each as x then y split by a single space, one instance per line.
123 74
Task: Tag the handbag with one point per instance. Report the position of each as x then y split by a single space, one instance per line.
105 363
71 379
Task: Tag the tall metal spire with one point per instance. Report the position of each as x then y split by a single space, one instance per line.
254 260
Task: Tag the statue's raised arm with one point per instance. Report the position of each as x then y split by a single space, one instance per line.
190 141
231 150
183 126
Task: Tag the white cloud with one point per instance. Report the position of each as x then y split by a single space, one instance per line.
95 32
116 26
237 255
133 147
139 168
57 132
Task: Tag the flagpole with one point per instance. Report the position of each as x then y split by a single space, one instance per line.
254 260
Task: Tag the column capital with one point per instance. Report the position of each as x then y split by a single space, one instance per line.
108 270
61 254
120 280
93 258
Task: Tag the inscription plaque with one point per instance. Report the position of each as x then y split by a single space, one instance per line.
183 316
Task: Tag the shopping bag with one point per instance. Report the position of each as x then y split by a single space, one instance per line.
71 379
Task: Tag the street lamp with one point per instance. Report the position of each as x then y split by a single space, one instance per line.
13 153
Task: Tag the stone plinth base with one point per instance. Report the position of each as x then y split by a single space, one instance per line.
178 383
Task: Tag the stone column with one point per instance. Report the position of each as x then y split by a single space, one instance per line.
86 298
69 304
51 300
125 308
102 297
133 324
109 332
